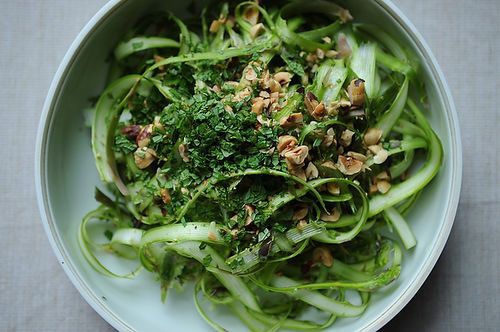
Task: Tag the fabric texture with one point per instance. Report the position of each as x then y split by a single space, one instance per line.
461 294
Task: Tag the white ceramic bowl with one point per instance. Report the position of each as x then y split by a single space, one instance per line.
66 177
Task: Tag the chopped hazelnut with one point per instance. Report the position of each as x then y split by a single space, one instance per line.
286 143
234 233
372 136
383 186
380 155
251 14
214 26
250 74
346 137
274 86
258 105
383 176
165 195
212 236
329 164
157 123
320 53
249 212
264 80
356 155
333 216
298 155
264 94
375 148
274 96
345 15
323 255
356 91
335 106
157 59
297 171
311 171
333 188
311 101
300 213
216 89
283 77
331 54
329 138
267 102
349 165
293 120
239 96
144 136
301 224
319 111
343 47
311 58
256 30
183 152
144 156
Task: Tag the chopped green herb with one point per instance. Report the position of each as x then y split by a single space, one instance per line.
137 45
207 260
108 234
123 144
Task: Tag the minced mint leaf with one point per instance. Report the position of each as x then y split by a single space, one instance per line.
264 235
294 66
124 144
137 45
157 139
233 264
279 228
207 260
108 234
255 194
218 141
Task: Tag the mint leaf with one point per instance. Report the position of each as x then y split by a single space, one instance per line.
108 234
207 260
137 45
294 66
124 144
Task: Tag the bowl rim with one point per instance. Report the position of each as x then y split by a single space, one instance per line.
99 305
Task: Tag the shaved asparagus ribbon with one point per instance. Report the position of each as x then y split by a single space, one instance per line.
108 110
418 181
138 44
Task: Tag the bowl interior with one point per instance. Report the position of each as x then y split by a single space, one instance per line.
67 177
